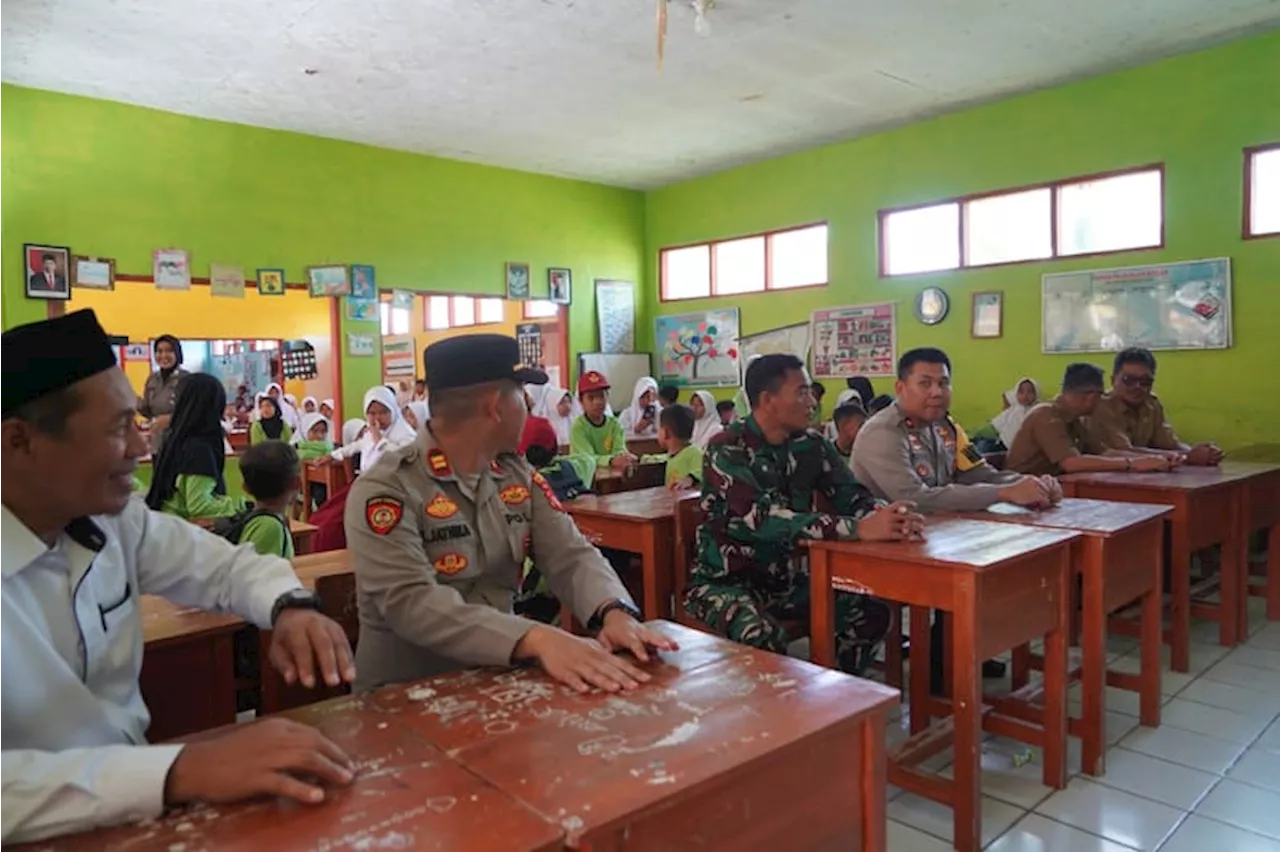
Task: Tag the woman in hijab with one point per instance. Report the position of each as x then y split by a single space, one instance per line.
288 412
161 389
353 430
706 421
416 414
845 396
640 420
270 425
559 408
862 385
1018 400
188 480
386 429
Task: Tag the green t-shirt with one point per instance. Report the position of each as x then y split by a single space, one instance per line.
257 435
269 536
308 450
687 462
602 442
193 497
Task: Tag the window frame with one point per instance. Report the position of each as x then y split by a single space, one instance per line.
768 263
475 300
1055 250
1246 226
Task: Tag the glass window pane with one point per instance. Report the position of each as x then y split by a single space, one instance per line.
1264 193
384 314
798 258
1110 214
739 266
687 272
1010 227
437 312
540 309
925 239
399 320
491 310
464 310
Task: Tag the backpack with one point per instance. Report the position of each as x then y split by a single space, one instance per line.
564 480
232 528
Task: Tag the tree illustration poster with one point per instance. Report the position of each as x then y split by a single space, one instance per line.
700 349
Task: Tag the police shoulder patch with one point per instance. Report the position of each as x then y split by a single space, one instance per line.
383 514
438 462
541 481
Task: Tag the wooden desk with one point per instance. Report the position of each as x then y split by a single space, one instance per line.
407 795
1119 558
1004 586
1262 512
332 475
302 533
1207 509
644 447
726 748
188 678
609 481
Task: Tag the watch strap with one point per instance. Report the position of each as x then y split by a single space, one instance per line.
597 621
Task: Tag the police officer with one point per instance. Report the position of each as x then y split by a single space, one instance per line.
913 450
440 529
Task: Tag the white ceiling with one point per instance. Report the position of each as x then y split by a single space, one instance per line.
572 87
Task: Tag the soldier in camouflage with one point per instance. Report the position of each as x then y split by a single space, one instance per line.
762 480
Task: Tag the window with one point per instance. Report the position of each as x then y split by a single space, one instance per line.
445 312
1093 215
491 310
777 260
1262 191
540 309
437 313
394 320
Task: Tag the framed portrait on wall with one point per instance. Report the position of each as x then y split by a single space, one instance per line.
96 273
270 282
988 314
559 284
517 281
331 280
47 271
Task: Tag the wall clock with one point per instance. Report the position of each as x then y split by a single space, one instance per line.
932 305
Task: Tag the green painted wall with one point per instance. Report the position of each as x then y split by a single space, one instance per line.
1195 113
116 180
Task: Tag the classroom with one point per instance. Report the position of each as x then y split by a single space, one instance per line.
907 368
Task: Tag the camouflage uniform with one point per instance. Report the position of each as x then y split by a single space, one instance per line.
760 502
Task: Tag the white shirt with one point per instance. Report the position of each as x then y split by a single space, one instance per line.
399 434
74 722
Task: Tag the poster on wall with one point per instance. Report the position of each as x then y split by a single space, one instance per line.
402 300
359 345
698 349
398 360
858 340
616 316
787 340
529 339
1162 306
226 281
171 269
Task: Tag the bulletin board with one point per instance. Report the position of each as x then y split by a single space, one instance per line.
858 340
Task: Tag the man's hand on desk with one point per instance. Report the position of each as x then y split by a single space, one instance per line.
260 758
621 632
303 640
893 522
1204 454
577 662
1030 491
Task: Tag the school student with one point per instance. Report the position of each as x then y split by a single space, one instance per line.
272 477
309 405
819 390
1018 402
596 433
640 420
727 411
313 439
326 409
416 414
847 420
385 430
684 459
706 423
559 408
288 411
270 425
668 395
188 477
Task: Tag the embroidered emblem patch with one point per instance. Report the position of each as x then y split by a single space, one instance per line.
608 444
438 462
383 513
441 507
541 481
923 471
514 494
451 563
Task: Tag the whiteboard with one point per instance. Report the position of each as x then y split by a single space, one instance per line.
621 370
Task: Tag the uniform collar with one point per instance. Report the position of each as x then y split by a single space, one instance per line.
438 465
19 546
1067 416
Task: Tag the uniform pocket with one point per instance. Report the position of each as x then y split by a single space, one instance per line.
113 613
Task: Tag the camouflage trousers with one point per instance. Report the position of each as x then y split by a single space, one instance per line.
754 618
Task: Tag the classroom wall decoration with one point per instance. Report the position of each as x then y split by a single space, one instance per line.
331 280
96 273
402 300
226 281
988 314
298 360
529 340
699 349
47 271
398 361
171 269
616 316
270 282
518 281
559 284
360 345
1162 306
788 340
858 340
362 304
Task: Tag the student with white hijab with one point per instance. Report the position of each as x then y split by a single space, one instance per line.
559 408
1018 400
637 422
288 410
386 429
845 396
416 414
706 423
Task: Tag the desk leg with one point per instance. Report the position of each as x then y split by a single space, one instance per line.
1093 673
1150 629
1180 609
966 701
874 817
1233 608
657 559
1055 681
822 609
919 668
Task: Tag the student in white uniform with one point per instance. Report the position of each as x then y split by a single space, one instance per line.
640 420
386 429
77 554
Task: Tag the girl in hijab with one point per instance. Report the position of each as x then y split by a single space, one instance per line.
309 405
640 420
845 396
313 440
560 409
270 425
353 430
326 409
188 480
706 420
288 412
386 429
416 414
1018 400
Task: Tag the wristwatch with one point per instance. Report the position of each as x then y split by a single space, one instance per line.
294 599
597 621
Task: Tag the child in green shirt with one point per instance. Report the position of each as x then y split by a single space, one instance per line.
684 460
272 477
595 433
313 438
187 474
270 425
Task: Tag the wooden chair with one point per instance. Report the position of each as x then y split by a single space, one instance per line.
331 475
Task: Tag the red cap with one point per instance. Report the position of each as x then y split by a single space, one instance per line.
592 380
538 432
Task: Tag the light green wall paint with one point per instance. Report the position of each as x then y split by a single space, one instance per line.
119 181
1195 113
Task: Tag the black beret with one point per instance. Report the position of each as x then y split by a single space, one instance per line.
42 357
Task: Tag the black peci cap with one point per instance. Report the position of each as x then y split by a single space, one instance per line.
42 357
459 362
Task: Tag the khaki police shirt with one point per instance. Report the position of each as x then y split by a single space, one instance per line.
1122 427
436 570
1048 435
931 463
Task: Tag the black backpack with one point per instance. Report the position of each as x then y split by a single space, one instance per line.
233 527
564 480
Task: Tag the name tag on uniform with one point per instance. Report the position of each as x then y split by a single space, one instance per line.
448 532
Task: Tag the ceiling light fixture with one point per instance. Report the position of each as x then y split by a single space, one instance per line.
701 25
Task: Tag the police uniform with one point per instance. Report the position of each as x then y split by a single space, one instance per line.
933 464
75 749
438 556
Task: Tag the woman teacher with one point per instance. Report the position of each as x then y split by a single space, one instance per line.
158 394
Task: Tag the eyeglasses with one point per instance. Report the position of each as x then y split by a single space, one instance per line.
1145 382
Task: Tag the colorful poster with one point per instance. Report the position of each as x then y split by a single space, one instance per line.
171 269
1163 306
529 340
401 299
398 360
858 340
226 281
616 315
699 349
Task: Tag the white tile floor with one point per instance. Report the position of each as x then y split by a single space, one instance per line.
1207 780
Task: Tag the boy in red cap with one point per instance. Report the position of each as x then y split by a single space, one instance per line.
596 433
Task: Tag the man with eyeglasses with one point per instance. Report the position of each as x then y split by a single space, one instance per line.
1131 417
